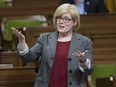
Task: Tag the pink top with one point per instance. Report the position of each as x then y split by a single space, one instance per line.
59 71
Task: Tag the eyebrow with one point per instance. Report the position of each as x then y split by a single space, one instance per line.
66 17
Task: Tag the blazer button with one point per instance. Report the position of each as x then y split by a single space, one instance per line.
70 71
70 83
69 59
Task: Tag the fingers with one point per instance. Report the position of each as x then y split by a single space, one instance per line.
16 32
84 53
80 54
13 29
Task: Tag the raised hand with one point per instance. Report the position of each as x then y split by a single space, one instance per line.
18 34
80 55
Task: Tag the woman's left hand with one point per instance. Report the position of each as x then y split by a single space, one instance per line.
80 55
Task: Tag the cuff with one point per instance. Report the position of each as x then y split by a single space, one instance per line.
88 63
25 51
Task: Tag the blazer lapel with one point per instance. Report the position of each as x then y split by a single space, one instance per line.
53 42
75 44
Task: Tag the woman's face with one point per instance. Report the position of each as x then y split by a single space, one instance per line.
65 23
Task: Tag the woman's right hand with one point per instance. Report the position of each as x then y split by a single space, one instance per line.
18 34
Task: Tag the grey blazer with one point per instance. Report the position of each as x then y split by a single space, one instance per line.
45 47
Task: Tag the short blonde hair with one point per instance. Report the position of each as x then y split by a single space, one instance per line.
72 9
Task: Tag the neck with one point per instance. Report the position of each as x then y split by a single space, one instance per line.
65 37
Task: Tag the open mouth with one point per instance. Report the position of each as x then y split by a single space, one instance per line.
61 27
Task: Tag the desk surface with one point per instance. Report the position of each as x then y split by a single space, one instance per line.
106 82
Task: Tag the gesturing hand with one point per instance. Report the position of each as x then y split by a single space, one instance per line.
18 34
80 55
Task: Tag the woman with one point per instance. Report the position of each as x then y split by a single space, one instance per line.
66 56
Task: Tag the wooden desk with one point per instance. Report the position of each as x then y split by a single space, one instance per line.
36 3
10 58
105 82
17 77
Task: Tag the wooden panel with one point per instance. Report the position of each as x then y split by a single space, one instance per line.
104 55
105 82
98 19
104 41
26 11
30 6
36 3
92 30
17 77
10 58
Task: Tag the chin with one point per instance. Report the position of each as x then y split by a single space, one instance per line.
60 31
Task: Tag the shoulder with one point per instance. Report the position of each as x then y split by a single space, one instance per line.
86 41
47 35
83 38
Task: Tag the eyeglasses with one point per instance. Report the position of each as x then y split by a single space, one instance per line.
65 19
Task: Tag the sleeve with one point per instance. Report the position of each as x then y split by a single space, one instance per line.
88 65
23 49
